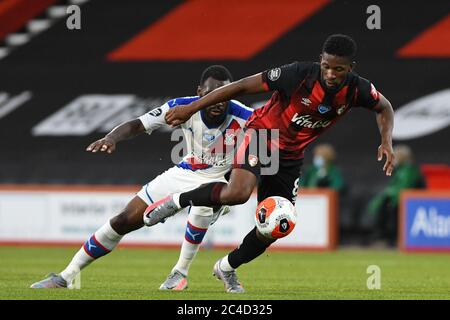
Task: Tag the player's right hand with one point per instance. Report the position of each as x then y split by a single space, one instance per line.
178 115
104 144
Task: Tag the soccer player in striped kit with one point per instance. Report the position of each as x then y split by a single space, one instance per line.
308 99
210 137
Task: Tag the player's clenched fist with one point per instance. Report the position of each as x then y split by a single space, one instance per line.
178 115
105 144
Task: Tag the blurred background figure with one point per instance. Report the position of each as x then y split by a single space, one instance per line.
323 173
383 208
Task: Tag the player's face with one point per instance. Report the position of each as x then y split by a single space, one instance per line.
217 110
334 69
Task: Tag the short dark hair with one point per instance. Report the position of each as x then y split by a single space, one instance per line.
217 72
340 45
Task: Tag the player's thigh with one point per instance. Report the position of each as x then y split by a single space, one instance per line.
246 168
169 182
283 184
131 217
158 188
240 187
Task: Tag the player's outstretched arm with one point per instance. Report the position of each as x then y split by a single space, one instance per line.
385 121
126 130
251 84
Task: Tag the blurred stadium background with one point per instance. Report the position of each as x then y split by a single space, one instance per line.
61 89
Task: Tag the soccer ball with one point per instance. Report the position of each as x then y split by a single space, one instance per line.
275 217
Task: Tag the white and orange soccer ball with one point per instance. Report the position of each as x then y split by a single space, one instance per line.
275 217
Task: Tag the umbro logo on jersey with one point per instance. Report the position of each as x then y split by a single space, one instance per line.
323 108
155 112
306 101
274 74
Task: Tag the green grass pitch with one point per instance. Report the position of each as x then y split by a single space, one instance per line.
137 273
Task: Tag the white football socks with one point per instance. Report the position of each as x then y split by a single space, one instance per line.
225 265
176 199
188 248
104 238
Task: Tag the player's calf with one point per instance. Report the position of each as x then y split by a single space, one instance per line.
130 218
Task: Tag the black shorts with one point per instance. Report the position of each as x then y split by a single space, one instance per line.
274 179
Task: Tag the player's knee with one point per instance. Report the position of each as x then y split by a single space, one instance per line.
124 222
239 195
242 197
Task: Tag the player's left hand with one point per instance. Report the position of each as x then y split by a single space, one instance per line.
178 115
105 144
386 149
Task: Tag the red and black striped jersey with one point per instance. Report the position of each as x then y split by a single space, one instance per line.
302 107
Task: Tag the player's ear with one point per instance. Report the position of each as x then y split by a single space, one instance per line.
352 65
320 58
199 91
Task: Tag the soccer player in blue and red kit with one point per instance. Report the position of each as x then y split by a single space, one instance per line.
308 98
210 137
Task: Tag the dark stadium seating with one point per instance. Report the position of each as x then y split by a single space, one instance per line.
60 67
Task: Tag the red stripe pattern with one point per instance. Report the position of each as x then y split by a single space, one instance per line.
94 248
194 234
220 29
